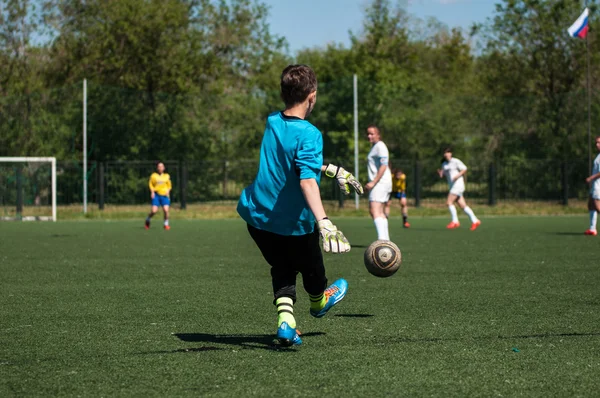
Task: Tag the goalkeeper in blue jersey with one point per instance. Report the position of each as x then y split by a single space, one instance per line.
283 204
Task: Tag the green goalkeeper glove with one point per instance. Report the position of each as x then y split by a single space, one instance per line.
344 179
333 240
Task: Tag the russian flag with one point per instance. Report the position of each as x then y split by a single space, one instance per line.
580 27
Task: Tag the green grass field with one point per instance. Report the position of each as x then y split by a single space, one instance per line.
102 308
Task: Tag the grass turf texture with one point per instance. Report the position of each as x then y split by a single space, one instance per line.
107 308
227 209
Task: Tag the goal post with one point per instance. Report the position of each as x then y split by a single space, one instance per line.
5 187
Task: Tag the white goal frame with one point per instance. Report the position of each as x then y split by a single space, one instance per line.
52 162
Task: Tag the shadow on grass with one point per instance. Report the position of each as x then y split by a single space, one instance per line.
355 315
182 350
246 341
568 233
515 337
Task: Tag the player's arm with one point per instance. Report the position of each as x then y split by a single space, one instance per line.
440 173
169 186
309 161
312 195
377 178
592 178
460 174
462 170
333 240
344 179
380 172
151 185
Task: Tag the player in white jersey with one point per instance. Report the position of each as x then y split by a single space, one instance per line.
380 182
454 170
594 200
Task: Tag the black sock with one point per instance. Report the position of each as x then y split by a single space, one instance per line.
404 218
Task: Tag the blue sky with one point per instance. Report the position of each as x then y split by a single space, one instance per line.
310 23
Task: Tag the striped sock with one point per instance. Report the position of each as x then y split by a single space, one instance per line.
317 303
285 311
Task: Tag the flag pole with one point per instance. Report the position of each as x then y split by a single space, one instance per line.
589 99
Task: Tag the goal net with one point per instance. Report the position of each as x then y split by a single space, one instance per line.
27 189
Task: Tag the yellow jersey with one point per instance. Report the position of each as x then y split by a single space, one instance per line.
399 185
160 183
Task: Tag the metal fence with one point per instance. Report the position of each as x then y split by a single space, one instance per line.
203 181
126 183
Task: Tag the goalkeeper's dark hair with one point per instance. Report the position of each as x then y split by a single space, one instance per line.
297 82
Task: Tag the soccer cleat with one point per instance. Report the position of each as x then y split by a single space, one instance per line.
591 232
287 335
333 294
406 225
167 227
475 225
147 225
453 225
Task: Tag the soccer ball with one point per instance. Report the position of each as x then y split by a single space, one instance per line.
383 258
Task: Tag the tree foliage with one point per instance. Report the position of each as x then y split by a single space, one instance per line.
194 79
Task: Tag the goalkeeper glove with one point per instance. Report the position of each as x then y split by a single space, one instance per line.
344 179
333 240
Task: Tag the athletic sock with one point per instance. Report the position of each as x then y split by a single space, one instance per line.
166 223
381 225
148 219
470 213
317 303
593 219
404 218
285 311
453 213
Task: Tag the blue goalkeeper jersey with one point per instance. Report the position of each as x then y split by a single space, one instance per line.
291 150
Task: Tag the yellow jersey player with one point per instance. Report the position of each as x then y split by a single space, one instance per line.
399 192
160 188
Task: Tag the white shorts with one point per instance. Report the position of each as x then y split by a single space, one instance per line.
457 191
595 190
380 193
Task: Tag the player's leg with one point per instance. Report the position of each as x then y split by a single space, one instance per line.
377 210
469 212
388 208
404 208
275 250
308 260
378 197
153 210
453 214
165 203
166 209
593 207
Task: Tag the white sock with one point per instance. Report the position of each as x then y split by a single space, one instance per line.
470 213
453 213
381 224
166 222
593 219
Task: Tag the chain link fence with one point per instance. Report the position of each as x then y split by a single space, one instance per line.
126 182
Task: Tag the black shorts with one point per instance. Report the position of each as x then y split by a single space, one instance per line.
290 255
